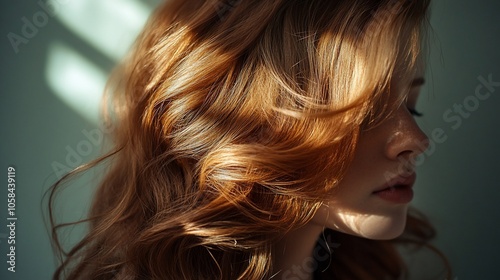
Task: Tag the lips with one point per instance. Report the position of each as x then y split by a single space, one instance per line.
398 189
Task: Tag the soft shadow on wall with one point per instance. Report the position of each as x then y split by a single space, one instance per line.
56 56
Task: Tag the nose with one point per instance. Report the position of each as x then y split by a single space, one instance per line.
407 140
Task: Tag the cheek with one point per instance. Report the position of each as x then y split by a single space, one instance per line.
353 209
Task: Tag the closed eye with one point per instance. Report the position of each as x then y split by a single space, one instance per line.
415 113
413 95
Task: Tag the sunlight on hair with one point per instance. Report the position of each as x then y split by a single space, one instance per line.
110 26
203 167
75 80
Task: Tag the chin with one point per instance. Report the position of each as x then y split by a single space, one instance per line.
379 226
382 227
385 232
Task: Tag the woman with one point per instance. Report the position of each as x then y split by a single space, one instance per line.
261 140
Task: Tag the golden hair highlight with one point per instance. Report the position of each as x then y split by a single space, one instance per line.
231 126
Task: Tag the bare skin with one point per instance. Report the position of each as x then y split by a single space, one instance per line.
382 154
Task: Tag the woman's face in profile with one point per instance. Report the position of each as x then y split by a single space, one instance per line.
372 199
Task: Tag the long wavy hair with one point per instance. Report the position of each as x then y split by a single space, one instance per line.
232 120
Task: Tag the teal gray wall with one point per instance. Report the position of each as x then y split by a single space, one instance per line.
44 125
458 185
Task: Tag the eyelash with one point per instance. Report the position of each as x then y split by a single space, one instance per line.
415 113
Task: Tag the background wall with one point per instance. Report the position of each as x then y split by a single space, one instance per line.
458 184
55 57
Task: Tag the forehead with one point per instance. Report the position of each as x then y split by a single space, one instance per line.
407 77
407 71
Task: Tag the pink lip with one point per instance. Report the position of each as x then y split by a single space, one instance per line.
398 189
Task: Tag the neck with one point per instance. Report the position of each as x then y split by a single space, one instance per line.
295 255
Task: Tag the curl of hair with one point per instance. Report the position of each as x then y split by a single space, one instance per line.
231 122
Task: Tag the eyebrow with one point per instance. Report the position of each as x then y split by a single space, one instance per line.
417 82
